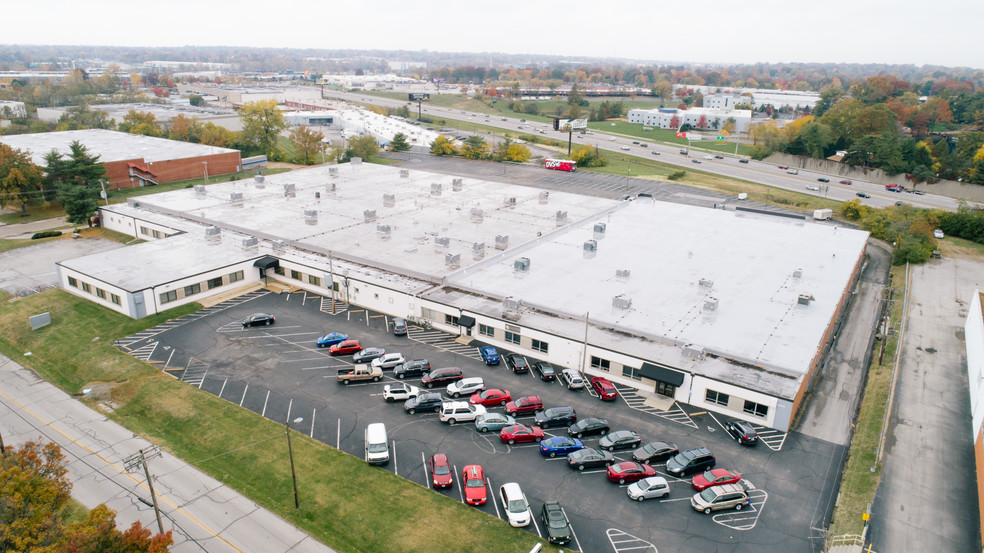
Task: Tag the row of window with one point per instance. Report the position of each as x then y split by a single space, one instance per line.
510 337
312 279
749 407
192 289
152 232
86 287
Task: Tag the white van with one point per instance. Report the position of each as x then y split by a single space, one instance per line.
377 444
517 508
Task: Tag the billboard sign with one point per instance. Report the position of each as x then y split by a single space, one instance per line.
414 96
693 136
681 134
579 124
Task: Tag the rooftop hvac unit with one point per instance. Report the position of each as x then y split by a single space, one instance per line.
435 189
693 351
200 191
369 215
509 202
456 185
355 161
212 232
257 178
333 171
331 188
599 228
452 260
501 241
477 215
622 273
236 198
404 173
544 197
278 245
590 245
512 315
317 194
385 230
561 216
311 215
389 200
710 304
621 302
132 203
805 299
798 273
522 264
290 191
478 247
251 243
705 283
442 241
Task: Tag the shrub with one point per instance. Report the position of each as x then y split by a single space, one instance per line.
46 234
677 175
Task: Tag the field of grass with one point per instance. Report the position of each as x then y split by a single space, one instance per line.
14 244
634 130
344 503
34 213
859 482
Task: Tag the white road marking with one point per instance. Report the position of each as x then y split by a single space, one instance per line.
244 395
263 414
461 494
290 405
427 480
492 498
314 413
223 387
394 458
169 358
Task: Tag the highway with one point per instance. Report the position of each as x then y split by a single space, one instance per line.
755 171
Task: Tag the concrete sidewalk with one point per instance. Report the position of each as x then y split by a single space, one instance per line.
203 514
25 230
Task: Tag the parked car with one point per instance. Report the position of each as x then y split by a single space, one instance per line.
491 397
823 179
654 452
427 401
573 379
466 386
493 421
690 461
560 445
715 477
589 458
556 416
460 411
545 370
258 319
515 505
489 355
620 439
520 433
399 392
524 405
399 327
729 496
441 376
345 347
648 488
938 234
473 481
555 522
417 367
845 181
331 339
367 355
389 360
862 195
517 363
440 469
743 431
606 390
588 426
629 471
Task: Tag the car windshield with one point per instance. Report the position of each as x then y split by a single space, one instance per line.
377 448
708 495
442 470
475 483
709 476
557 521
517 506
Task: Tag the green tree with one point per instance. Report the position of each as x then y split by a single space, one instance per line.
20 179
139 122
196 100
77 179
308 143
262 124
475 147
364 147
80 202
517 153
81 117
35 493
399 143
443 146
214 135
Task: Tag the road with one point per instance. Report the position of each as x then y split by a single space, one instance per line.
754 171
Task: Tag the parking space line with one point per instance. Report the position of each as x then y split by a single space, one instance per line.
338 435
314 413
169 357
263 414
617 537
535 525
427 480
461 494
571 526
223 387
290 405
244 395
395 471
492 498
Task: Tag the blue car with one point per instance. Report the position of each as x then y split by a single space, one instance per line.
489 355
560 445
329 340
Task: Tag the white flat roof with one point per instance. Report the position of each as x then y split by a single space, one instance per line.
109 145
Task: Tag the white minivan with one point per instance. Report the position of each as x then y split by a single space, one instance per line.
514 501
377 444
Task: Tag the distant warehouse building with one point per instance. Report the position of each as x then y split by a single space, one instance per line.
700 118
133 160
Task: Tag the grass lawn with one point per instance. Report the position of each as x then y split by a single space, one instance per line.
344 503
859 482
34 213
98 232
120 196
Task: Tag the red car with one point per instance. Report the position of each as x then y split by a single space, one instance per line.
490 398
474 483
440 469
783 166
629 472
524 406
604 388
520 433
715 477
348 347
846 181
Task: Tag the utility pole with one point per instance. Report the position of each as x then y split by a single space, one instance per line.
3 448
331 272
205 163
290 453
133 462
584 352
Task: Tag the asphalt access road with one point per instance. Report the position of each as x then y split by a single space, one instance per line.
278 372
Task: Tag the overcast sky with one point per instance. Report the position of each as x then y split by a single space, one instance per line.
941 32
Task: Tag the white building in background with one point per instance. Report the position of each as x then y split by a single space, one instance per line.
672 118
725 101
17 109
327 118
760 97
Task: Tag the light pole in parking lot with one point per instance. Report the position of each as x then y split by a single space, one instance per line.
290 453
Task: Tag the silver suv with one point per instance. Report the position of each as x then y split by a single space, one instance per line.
573 379
717 498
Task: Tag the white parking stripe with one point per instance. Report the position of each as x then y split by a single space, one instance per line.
454 474
263 414
314 413
492 498
244 395
427 480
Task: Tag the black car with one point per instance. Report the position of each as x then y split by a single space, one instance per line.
862 195
743 160
556 416
823 179
367 355
427 401
259 319
690 462
589 458
555 521
742 431
517 363
654 452
620 439
545 370
588 426
417 367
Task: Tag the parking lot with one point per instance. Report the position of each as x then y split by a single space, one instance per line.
278 372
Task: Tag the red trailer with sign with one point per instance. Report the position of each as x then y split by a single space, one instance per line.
560 164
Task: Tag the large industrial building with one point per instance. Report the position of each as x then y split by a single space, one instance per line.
726 310
133 160
700 118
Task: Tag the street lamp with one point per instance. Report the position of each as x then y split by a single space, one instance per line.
205 163
290 453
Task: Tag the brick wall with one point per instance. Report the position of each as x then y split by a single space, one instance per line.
118 172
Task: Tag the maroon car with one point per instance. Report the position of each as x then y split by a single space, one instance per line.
524 406
606 390
629 471
443 376
440 469
491 397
